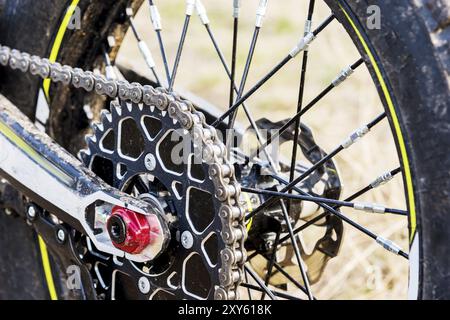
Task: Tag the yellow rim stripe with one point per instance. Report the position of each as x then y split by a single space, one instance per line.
47 269
398 131
58 41
250 209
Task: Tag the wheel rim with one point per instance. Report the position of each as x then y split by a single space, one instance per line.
251 190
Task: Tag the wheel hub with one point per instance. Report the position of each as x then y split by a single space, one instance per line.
130 231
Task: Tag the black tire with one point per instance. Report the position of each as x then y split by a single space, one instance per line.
37 37
412 54
413 51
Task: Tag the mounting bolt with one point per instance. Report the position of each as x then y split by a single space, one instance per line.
31 212
187 240
8 211
60 235
144 285
150 162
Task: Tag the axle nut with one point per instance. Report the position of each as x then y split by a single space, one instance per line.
130 231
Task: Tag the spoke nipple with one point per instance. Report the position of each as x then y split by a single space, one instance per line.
236 8
201 11
369 207
383 179
156 18
190 6
388 245
261 12
308 26
355 136
344 75
302 44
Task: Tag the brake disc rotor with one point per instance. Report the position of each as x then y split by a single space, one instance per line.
322 241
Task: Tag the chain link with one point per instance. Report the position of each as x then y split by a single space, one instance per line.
206 144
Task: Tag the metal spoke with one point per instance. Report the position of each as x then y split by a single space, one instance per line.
271 262
110 73
297 251
261 11
231 114
368 207
157 26
302 44
236 9
260 282
141 186
143 48
275 293
385 243
346 144
253 124
190 6
301 92
250 297
345 73
385 177
280 269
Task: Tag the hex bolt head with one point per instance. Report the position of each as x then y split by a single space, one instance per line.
144 285
32 213
187 240
150 162
60 235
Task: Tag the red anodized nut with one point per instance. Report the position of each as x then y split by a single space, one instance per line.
130 231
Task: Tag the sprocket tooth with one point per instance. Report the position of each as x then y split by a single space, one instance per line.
152 109
83 155
98 127
90 139
129 106
105 116
116 109
163 113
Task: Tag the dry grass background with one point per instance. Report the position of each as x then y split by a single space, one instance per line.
362 270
